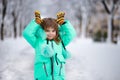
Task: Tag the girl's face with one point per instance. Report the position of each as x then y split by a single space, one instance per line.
51 33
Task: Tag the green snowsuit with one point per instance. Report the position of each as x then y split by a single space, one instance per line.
50 57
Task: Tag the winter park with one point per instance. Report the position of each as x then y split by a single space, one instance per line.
95 50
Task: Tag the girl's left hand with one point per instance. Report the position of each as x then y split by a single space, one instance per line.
60 18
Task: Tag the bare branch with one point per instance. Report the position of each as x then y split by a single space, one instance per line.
116 9
105 6
115 1
4 2
113 8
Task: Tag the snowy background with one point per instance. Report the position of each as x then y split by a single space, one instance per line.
89 61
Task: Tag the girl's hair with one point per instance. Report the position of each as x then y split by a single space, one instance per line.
51 23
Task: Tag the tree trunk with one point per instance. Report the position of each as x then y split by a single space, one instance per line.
20 32
14 27
84 25
4 4
110 19
112 32
2 31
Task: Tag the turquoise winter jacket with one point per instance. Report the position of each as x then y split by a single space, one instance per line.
44 49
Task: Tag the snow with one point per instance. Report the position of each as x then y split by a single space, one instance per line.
93 61
89 61
16 62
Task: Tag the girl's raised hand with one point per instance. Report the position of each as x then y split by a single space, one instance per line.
38 19
60 17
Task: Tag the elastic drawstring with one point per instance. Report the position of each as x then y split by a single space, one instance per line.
52 44
56 58
47 41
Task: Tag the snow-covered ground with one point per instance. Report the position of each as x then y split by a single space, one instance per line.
89 61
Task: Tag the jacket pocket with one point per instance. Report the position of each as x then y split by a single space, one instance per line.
45 69
61 58
40 58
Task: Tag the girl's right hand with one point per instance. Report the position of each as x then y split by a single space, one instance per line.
38 19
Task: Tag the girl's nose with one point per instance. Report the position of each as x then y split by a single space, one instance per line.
51 33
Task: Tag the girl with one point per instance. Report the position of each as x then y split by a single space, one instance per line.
49 37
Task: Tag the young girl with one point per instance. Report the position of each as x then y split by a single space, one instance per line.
49 37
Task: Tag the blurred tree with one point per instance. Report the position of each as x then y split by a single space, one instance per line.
84 9
15 15
14 23
4 5
111 13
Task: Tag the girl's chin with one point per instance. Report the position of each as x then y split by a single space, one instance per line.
49 38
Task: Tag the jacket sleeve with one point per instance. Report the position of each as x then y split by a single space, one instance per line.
67 32
29 33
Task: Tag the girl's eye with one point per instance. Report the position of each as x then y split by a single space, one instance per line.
47 30
53 31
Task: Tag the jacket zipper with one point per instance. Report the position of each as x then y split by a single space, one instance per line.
52 64
60 69
45 69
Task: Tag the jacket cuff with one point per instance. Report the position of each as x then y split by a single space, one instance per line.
66 54
40 33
